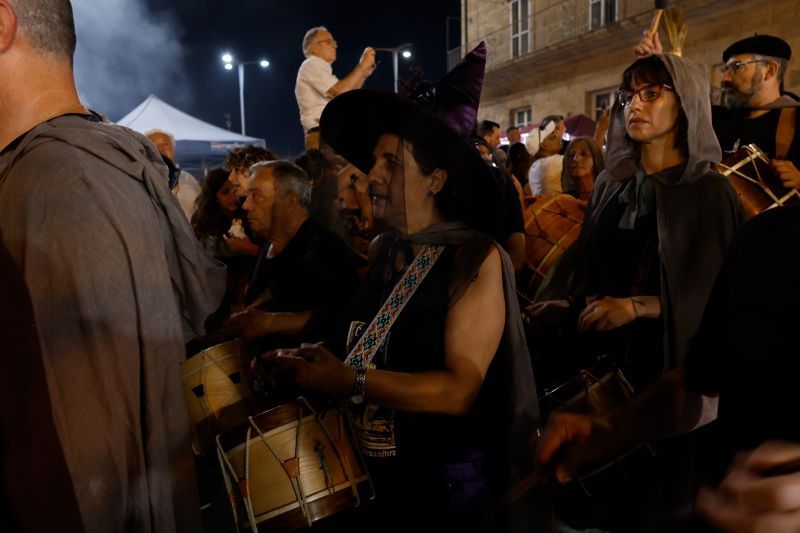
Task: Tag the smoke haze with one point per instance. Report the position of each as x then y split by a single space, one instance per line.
125 53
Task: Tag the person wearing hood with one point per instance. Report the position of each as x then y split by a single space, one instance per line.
441 389
755 108
117 281
658 226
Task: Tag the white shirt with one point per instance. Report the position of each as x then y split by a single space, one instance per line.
188 191
314 78
545 175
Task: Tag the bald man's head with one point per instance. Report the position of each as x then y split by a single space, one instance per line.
48 25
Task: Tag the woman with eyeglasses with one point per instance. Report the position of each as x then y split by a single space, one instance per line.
657 228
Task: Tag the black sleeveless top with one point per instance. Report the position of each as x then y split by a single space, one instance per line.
415 343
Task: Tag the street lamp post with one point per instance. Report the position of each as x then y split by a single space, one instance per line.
404 50
229 63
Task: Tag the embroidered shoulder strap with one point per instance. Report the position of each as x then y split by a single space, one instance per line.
364 350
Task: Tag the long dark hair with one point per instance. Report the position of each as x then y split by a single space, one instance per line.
652 70
209 219
567 181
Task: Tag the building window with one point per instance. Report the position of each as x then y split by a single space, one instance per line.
522 117
520 32
600 101
602 13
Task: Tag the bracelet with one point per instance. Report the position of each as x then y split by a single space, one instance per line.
635 312
359 386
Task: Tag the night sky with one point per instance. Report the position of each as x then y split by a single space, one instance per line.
252 29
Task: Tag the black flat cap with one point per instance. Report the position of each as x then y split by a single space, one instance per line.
765 45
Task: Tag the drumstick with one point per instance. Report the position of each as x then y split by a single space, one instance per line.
661 5
521 295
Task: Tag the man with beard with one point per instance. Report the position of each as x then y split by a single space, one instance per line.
755 108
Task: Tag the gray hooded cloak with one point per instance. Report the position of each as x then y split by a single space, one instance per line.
697 212
117 281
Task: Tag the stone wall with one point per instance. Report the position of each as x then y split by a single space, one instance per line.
560 76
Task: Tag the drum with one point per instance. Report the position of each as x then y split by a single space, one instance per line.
598 391
552 223
291 466
757 187
216 392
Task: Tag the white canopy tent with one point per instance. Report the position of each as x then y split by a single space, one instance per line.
199 145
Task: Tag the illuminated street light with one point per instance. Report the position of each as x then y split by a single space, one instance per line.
403 49
229 63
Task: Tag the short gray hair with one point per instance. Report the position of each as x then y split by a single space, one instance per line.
48 25
162 132
290 177
782 65
308 40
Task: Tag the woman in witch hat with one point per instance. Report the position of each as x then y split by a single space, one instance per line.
436 372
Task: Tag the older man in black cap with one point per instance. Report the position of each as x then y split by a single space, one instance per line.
755 108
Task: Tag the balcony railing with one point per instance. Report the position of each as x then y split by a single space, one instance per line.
551 23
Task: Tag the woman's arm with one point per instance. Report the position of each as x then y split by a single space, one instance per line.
473 329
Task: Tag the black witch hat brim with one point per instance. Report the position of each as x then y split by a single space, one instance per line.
352 123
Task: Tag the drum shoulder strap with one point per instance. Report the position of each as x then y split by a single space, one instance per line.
364 350
784 134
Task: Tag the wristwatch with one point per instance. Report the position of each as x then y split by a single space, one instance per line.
359 387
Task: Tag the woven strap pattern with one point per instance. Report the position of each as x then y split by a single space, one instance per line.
364 350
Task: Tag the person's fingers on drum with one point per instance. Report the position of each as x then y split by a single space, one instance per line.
787 172
563 431
589 316
771 454
728 516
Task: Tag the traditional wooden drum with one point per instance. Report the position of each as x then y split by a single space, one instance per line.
552 223
291 466
757 187
216 392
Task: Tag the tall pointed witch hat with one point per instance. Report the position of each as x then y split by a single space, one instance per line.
439 121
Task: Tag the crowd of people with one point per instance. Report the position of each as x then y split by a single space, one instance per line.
379 268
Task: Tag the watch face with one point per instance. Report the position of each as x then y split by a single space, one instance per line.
358 399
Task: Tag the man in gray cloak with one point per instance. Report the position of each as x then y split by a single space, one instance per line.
116 278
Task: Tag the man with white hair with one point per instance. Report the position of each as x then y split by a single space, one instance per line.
187 188
316 85
305 274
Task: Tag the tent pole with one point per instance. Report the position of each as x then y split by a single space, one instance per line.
241 93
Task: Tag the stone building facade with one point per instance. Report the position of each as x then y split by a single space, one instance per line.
567 56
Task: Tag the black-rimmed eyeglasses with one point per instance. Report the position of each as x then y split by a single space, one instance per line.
736 66
648 93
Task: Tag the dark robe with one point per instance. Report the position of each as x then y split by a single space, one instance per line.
32 465
118 282
697 210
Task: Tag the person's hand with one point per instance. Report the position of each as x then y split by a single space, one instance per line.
367 61
605 314
241 246
787 172
570 441
648 45
551 312
313 367
249 325
749 500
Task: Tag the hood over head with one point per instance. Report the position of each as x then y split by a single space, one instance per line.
692 87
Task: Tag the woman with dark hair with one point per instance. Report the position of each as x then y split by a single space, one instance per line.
214 222
215 209
583 162
436 370
519 161
657 229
